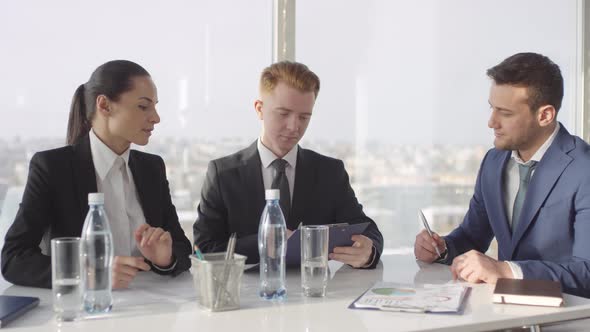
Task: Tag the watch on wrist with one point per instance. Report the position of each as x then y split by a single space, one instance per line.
443 255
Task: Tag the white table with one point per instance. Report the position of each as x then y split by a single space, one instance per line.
169 304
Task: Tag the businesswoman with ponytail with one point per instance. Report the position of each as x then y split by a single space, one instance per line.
116 107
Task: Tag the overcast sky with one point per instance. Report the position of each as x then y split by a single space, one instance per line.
392 71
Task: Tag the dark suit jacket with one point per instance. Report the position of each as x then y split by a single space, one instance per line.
232 200
551 238
55 203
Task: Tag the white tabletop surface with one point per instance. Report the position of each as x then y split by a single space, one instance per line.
156 303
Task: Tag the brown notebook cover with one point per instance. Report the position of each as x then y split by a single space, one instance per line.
528 292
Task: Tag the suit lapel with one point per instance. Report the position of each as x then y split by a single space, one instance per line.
251 178
497 211
84 174
548 171
302 190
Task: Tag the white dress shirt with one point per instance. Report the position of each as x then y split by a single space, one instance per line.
512 181
268 171
121 202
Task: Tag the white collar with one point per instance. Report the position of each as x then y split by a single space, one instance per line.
267 156
540 152
103 157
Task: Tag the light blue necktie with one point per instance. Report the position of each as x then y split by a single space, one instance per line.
525 177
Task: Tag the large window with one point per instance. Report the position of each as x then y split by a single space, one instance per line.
403 99
204 56
404 94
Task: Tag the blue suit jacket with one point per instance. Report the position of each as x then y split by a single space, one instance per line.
552 238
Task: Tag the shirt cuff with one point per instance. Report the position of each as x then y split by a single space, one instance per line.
516 270
373 255
443 255
167 268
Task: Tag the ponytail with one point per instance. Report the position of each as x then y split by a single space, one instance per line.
110 79
78 123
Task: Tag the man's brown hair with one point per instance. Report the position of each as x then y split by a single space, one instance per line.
294 74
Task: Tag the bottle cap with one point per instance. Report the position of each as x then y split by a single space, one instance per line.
95 198
272 194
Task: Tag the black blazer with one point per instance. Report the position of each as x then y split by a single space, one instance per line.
55 203
232 200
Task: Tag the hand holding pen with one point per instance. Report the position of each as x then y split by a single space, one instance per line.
429 246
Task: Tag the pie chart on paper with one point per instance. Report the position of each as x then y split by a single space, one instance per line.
394 291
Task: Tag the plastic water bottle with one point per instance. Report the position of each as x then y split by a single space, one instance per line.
272 246
97 257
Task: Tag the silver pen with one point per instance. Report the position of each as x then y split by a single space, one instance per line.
229 255
425 223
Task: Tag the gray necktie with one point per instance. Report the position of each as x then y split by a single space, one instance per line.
280 182
525 177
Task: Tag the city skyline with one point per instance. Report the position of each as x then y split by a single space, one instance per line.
391 181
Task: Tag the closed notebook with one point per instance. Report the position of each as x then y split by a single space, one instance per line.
13 306
528 292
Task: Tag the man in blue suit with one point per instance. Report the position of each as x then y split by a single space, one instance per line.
532 191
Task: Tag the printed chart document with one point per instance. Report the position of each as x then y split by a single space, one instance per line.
387 296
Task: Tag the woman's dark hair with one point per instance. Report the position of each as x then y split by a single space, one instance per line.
110 79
